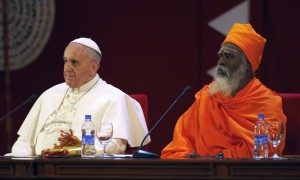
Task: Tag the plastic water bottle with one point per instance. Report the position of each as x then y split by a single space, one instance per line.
88 138
260 138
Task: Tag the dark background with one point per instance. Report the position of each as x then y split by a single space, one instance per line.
156 48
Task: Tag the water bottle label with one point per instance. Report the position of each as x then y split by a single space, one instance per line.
258 140
88 139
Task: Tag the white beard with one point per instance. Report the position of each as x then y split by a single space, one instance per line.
228 83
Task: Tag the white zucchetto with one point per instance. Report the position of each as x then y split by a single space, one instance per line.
87 42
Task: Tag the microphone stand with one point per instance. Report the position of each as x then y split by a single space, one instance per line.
139 153
30 99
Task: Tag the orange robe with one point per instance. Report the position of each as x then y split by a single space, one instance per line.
216 123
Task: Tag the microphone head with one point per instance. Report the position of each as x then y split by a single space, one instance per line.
187 89
32 98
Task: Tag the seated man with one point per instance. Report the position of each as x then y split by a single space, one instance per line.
64 106
221 120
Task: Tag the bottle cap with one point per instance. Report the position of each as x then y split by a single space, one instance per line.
261 116
88 117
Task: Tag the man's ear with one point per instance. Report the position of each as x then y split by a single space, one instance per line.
95 68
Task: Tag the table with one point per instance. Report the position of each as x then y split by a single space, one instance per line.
128 168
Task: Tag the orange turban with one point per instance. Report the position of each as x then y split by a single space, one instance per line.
251 43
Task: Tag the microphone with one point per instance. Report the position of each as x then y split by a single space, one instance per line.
32 98
139 153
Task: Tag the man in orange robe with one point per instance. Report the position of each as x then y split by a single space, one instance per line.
221 120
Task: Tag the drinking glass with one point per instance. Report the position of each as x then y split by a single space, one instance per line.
104 135
276 131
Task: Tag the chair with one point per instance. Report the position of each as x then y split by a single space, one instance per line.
143 100
291 108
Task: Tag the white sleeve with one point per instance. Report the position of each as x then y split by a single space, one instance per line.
22 147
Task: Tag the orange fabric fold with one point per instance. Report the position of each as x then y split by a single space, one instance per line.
215 123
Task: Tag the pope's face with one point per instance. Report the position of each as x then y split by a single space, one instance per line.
78 67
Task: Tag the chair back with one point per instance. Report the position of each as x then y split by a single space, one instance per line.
143 100
291 108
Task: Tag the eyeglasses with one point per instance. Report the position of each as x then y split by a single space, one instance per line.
227 54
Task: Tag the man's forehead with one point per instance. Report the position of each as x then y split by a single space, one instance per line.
231 47
75 49
75 46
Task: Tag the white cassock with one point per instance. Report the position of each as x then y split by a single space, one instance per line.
58 109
